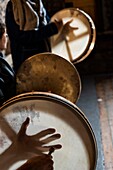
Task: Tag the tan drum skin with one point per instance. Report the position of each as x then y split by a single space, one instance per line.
79 151
48 72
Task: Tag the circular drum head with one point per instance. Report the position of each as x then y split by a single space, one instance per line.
79 149
77 45
49 72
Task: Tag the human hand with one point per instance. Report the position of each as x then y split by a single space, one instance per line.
43 162
59 24
28 146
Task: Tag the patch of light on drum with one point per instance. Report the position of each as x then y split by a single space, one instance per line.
67 90
92 46
4 142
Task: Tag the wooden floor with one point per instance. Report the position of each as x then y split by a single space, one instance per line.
104 88
96 101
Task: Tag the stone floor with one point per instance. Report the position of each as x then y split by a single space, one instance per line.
96 101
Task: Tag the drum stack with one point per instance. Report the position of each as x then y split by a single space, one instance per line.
48 87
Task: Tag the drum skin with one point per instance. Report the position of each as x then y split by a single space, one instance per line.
48 72
79 148
77 45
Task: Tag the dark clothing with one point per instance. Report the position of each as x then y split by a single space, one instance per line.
27 43
7 81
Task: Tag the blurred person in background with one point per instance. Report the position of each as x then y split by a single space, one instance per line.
29 29
7 75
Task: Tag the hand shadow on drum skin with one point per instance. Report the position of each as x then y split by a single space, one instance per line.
69 37
24 146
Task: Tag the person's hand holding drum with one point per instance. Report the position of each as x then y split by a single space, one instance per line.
59 24
43 162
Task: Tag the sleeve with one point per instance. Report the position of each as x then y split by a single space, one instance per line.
7 79
32 35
